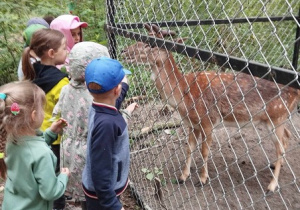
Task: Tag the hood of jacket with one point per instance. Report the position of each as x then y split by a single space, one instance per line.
29 31
80 56
47 76
65 23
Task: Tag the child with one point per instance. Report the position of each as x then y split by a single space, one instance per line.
50 46
27 35
37 20
105 175
29 163
32 26
73 105
48 19
71 27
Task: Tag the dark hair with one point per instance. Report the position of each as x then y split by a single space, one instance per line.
29 97
48 18
41 41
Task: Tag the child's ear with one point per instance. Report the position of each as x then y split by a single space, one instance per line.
117 90
34 115
51 53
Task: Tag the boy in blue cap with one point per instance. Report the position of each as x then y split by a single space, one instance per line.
105 175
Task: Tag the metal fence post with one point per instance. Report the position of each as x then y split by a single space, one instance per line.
111 10
297 44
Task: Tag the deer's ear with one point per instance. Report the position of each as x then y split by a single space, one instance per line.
165 33
147 27
180 40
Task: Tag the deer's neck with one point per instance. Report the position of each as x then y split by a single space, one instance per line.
168 79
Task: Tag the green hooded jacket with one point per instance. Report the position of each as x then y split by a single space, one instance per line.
31 180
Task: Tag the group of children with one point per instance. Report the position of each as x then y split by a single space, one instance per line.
78 114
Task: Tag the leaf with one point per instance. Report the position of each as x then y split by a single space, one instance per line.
64 69
150 176
159 173
174 181
167 131
53 119
145 170
163 182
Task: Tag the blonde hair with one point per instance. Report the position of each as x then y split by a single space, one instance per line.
29 97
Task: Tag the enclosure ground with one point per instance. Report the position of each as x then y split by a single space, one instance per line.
239 166
127 200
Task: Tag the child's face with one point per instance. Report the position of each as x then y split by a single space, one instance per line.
61 54
76 34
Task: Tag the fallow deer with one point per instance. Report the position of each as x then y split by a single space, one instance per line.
206 98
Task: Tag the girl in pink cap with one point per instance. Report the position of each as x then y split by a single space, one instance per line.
71 27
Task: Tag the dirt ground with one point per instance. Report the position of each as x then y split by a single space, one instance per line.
127 199
239 165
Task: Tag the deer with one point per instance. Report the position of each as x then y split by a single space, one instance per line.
206 98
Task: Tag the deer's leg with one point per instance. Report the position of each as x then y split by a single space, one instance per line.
206 143
286 136
280 148
192 142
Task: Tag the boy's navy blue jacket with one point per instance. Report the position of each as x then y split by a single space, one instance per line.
105 174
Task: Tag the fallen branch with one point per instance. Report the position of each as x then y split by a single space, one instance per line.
158 126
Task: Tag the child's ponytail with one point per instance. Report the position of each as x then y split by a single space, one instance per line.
3 136
27 68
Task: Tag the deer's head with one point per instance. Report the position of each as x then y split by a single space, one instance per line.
144 53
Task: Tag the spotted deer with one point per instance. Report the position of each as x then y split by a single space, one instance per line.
206 98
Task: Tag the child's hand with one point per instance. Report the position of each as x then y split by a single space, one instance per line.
132 107
65 171
57 126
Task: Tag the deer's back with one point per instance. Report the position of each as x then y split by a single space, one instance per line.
238 96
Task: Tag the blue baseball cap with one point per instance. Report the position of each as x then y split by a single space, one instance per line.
106 72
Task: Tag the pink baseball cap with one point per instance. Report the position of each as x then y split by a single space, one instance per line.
76 23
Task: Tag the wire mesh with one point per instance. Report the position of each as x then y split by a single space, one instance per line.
241 158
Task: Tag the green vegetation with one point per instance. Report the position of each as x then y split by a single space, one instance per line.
268 42
15 14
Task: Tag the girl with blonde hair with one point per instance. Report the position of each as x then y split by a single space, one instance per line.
26 161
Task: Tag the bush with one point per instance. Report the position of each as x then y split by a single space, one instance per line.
15 14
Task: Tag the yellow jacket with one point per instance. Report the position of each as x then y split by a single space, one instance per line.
51 99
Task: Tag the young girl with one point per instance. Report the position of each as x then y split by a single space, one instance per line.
50 46
27 34
73 105
33 24
29 166
71 27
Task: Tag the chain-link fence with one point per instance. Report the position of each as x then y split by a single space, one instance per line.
217 87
